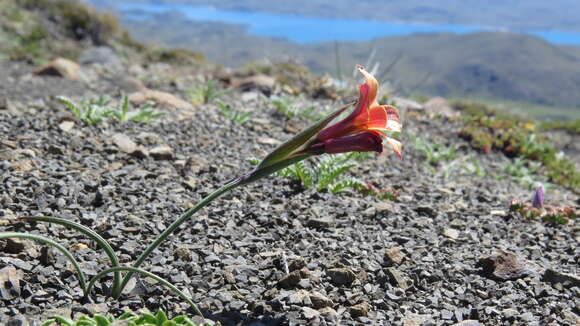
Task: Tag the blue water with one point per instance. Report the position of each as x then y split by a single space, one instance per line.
303 29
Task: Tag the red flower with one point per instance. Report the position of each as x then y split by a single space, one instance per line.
362 130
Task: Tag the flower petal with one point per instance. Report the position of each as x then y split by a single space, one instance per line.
364 142
372 84
396 145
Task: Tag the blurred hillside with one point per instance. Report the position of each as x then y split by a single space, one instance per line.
511 14
489 65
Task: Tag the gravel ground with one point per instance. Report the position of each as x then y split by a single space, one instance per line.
445 252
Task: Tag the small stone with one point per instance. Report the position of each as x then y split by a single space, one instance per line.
183 254
359 310
319 300
297 297
412 319
268 141
60 67
161 153
468 322
383 206
66 125
296 264
426 210
509 313
56 150
10 283
161 98
452 234
309 313
527 317
103 55
17 321
397 278
15 245
505 266
393 256
439 105
290 280
24 165
329 314
341 276
124 143
320 223
567 280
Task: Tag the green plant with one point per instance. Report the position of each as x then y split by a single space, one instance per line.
128 319
487 129
522 171
348 135
206 93
288 109
93 111
572 126
328 173
238 117
434 153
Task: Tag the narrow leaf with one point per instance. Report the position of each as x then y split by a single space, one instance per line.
299 140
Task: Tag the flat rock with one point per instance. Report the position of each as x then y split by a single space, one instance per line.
397 278
309 313
450 233
60 67
163 152
359 310
161 98
505 266
124 143
9 282
320 223
290 280
393 256
567 280
341 276
319 300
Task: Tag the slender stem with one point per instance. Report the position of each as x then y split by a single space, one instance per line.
54 244
148 274
103 244
184 217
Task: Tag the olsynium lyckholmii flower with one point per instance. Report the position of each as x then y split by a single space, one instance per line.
369 120
362 131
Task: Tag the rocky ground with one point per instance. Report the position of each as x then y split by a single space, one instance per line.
446 252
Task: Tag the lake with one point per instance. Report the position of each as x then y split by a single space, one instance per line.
303 29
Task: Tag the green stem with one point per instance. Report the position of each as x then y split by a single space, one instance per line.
103 244
54 244
184 217
148 274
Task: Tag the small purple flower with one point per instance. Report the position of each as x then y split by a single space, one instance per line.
538 200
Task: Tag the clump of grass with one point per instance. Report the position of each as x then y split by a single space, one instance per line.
445 160
93 111
572 126
328 173
523 171
206 93
236 116
183 56
287 108
128 318
489 130
80 20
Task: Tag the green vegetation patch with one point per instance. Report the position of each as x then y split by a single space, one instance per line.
128 319
489 130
